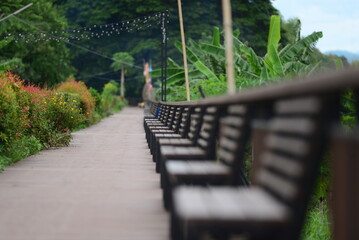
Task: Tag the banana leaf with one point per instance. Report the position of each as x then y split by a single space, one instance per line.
273 62
172 64
195 48
215 51
264 75
180 76
216 40
274 32
248 52
292 50
190 54
205 70
242 64
170 72
246 74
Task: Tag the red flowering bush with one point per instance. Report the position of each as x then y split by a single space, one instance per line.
14 117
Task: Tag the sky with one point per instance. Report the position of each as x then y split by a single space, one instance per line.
337 19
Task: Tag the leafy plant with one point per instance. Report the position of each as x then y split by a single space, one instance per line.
207 62
111 102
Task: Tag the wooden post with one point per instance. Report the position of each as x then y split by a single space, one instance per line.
228 38
183 49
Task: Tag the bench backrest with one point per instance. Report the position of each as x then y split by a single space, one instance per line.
233 136
208 132
177 119
153 108
184 123
170 116
292 153
196 117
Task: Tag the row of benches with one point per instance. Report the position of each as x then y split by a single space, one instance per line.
199 149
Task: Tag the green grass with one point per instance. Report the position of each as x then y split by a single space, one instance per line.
18 150
316 226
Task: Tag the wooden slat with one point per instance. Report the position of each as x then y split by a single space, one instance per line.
212 110
209 118
234 121
197 110
291 145
192 129
226 156
207 127
203 143
290 167
205 134
278 185
228 144
304 126
230 132
237 109
307 105
190 135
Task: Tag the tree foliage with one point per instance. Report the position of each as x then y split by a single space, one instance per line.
44 63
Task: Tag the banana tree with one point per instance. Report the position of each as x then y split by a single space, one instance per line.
207 60
291 60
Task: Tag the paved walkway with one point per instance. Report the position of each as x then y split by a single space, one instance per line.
102 187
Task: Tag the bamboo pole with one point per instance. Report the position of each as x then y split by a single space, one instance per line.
184 49
228 38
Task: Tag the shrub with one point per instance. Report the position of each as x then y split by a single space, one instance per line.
86 99
40 127
13 109
97 115
111 102
64 111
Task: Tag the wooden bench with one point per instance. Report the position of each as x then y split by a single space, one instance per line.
193 124
229 170
171 130
204 145
180 131
276 205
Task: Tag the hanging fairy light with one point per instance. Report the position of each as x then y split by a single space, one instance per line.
95 31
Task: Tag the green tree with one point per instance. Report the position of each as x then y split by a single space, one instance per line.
44 62
122 60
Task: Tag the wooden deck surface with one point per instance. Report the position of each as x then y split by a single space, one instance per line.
102 187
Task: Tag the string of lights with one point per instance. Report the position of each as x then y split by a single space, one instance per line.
82 48
94 31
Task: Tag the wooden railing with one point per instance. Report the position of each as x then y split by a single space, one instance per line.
298 109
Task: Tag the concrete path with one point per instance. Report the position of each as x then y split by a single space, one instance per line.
102 187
